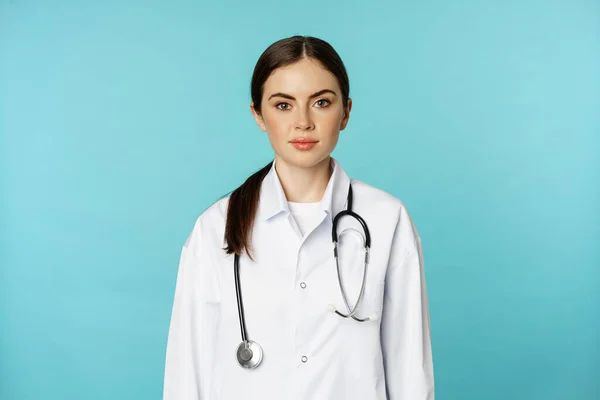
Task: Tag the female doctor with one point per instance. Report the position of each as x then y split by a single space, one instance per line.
302 283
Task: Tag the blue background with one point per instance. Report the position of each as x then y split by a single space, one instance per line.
120 121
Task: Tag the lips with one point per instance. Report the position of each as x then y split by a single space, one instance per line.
303 140
304 143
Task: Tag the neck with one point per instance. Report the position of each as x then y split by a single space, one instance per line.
304 185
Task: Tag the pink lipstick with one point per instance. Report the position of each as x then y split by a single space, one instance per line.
304 143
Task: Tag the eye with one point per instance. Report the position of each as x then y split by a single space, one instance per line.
327 102
285 108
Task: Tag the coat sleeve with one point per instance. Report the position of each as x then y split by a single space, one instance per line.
183 371
405 325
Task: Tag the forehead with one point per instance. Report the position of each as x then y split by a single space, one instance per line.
302 78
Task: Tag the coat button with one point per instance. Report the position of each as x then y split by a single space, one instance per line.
303 285
304 359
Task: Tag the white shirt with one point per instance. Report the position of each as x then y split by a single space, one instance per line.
310 353
305 214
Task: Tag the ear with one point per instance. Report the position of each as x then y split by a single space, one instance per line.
258 118
346 115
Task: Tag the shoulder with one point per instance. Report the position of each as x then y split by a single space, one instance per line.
378 198
386 208
210 225
216 213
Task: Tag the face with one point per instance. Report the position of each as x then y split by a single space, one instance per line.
302 101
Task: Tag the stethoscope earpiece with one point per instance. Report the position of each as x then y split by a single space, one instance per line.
373 317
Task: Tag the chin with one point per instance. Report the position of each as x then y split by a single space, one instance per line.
306 159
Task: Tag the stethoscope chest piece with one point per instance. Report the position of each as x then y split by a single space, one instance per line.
249 354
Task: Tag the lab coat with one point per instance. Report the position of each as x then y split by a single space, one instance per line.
310 353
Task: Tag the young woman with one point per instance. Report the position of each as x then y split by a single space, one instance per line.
302 283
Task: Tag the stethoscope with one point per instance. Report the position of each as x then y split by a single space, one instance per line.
249 353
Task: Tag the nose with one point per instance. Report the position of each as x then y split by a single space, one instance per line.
304 120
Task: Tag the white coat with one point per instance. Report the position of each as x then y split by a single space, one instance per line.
310 353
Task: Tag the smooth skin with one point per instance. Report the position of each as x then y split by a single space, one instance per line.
289 111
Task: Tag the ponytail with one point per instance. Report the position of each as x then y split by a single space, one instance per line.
241 212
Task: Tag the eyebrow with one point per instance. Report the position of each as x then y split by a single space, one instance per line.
287 96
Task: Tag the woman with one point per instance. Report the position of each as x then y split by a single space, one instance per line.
289 331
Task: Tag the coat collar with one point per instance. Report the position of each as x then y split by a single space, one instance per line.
273 201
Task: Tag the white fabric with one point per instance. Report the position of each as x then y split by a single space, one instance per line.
286 290
305 214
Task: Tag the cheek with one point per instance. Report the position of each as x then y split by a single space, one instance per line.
276 130
331 123
332 140
275 123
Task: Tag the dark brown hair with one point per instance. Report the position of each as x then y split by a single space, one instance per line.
243 202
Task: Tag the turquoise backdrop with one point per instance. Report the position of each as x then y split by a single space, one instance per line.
121 121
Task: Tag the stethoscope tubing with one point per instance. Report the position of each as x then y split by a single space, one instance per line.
348 211
238 293
352 311
246 344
